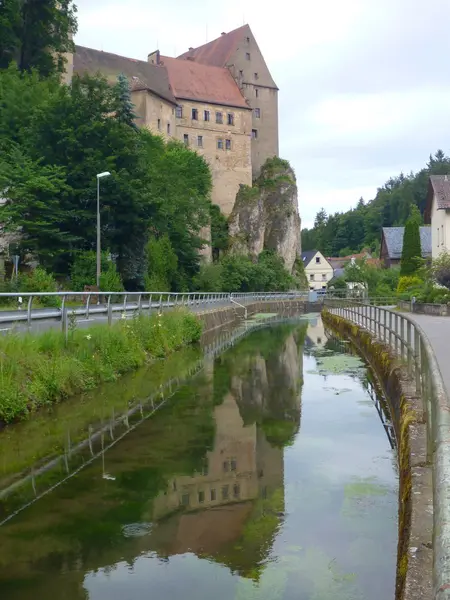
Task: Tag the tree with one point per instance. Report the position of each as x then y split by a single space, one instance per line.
162 265
219 232
411 251
124 106
441 269
36 34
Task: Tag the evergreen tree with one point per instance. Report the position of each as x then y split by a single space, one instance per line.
36 34
125 107
412 250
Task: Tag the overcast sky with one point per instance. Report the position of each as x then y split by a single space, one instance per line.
364 84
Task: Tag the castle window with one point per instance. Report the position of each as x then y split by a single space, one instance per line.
241 74
230 119
159 124
206 115
311 277
247 55
213 495
225 492
201 497
256 75
236 491
233 464
200 141
254 134
179 112
194 114
257 113
185 499
168 128
228 144
186 139
219 118
256 92
220 144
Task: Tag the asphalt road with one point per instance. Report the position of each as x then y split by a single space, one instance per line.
51 318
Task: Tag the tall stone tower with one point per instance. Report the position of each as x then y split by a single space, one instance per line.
239 52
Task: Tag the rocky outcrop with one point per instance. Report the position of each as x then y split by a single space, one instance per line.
265 216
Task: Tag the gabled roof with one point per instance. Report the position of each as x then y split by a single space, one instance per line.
142 75
393 237
203 83
308 255
218 52
439 187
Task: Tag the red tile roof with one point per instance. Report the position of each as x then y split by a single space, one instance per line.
194 81
218 52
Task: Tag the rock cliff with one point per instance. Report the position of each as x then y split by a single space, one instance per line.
265 216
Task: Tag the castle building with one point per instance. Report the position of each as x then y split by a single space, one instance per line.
220 99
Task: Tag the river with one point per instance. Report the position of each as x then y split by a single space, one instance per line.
268 474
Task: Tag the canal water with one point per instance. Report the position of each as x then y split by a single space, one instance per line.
270 474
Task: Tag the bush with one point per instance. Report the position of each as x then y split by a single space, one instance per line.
209 278
441 269
39 370
83 271
110 280
40 281
409 281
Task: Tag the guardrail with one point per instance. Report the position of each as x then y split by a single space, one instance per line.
412 347
108 303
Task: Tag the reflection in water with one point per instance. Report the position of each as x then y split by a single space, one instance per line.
221 495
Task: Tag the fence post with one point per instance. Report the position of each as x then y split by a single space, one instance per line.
417 365
109 310
30 302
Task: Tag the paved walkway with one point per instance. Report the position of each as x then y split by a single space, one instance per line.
437 330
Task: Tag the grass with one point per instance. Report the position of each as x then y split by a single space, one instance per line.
41 369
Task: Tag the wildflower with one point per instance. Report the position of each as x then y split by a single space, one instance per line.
124 316
88 337
159 324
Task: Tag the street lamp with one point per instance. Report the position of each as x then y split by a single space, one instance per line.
99 176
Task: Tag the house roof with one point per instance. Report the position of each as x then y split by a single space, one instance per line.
439 187
218 52
308 255
194 81
393 237
142 75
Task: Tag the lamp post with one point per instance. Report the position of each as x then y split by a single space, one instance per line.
99 176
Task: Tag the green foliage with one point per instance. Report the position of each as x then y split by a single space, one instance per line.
162 265
53 141
124 112
440 269
361 226
32 33
219 232
83 271
37 281
412 250
408 281
110 279
39 370
209 278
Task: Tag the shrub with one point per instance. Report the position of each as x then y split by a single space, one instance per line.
38 370
412 250
408 281
40 281
110 279
83 271
441 269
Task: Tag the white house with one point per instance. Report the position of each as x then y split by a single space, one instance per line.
318 270
437 213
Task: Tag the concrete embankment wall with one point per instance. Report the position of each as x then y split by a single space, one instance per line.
415 526
220 317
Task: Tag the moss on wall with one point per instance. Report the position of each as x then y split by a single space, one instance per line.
388 372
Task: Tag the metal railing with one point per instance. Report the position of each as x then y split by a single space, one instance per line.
88 304
407 339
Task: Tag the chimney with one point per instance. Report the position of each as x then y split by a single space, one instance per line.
154 57
223 33
190 49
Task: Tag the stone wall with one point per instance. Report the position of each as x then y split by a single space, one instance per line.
415 526
229 167
442 310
